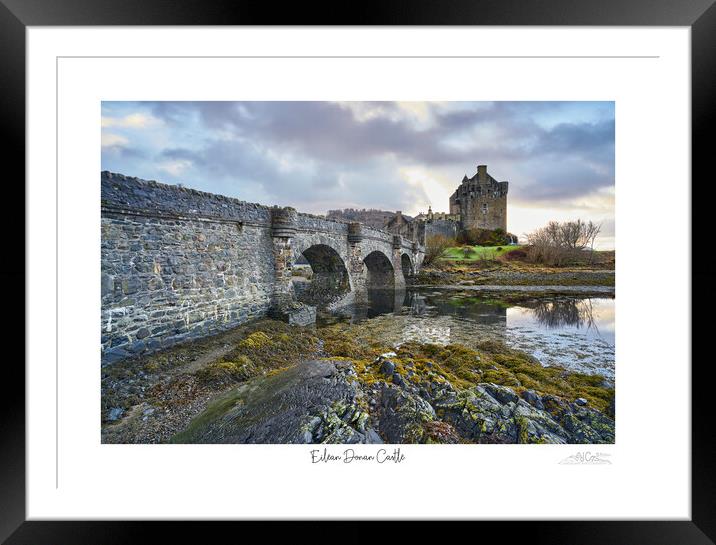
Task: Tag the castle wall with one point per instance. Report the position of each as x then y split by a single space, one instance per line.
495 217
447 228
481 202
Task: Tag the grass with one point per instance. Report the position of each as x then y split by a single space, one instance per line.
477 252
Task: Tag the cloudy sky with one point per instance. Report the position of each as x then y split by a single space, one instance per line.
316 156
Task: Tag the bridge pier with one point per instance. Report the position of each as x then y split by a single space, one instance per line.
284 305
416 257
356 265
398 263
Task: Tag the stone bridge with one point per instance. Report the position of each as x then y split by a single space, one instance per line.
179 264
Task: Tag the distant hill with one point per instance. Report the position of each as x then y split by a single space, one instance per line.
371 217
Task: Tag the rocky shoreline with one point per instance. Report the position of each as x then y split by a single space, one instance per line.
322 402
575 278
275 383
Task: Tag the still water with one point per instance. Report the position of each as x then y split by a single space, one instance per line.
570 331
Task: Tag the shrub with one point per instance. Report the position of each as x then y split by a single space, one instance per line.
435 246
484 237
515 255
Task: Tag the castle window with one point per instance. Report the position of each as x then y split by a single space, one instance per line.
484 208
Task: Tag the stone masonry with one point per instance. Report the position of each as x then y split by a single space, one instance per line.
179 264
480 202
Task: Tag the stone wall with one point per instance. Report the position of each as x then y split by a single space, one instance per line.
179 264
485 211
446 228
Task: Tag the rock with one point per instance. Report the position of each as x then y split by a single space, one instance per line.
107 284
531 397
312 401
371 436
402 415
114 355
387 367
294 313
489 413
581 401
586 425
321 402
387 355
503 394
306 315
556 406
115 413
142 333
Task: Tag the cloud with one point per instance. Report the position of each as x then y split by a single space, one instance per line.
392 155
110 140
134 120
175 168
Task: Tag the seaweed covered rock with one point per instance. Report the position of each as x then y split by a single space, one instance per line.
489 413
311 402
402 415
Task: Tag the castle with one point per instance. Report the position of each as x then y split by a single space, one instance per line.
479 202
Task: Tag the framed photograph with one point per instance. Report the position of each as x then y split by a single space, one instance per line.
349 273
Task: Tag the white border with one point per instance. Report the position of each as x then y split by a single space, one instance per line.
649 477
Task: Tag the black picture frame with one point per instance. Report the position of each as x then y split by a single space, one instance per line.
16 15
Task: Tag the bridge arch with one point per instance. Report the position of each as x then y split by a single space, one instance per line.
325 279
406 264
379 270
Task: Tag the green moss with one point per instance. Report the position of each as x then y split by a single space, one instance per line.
340 340
494 362
267 348
220 371
522 435
255 340
220 406
368 372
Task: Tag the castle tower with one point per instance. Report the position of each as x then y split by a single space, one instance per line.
481 202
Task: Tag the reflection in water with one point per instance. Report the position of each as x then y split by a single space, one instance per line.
574 332
380 302
487 312
589 318
565 312
418 306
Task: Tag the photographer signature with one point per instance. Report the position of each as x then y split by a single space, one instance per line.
586 457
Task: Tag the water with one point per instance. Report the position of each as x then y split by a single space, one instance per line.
574 332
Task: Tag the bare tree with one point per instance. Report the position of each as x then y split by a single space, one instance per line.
556 242
592 231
